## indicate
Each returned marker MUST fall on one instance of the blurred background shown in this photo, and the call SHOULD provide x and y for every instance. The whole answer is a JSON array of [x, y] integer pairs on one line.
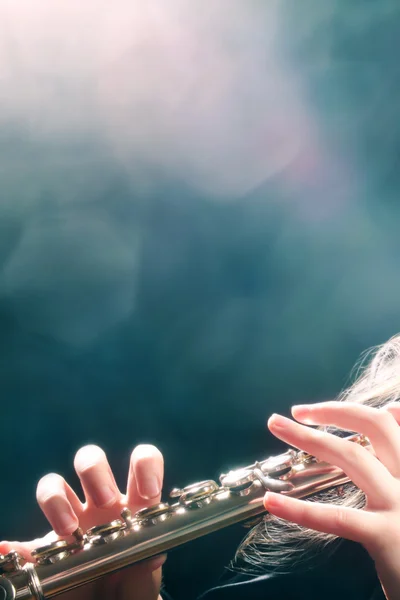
[[199, 221]]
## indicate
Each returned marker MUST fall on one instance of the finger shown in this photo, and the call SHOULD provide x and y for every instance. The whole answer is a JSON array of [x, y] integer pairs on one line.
[[366, 471], [378, 425], [394, 409], [96, 477], [59, 503], [350, 523], [144, 578], [25, 548], [146, 473]]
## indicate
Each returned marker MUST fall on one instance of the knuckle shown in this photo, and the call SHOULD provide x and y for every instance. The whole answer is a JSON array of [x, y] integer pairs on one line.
[[353, 451], [304, 510], [382, 418], [340, 520]]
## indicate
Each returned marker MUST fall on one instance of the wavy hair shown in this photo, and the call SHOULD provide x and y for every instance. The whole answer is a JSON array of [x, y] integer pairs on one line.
[[278, 545]]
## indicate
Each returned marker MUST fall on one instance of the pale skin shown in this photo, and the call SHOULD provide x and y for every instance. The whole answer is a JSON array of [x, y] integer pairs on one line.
[[377, 527], [103, 503]]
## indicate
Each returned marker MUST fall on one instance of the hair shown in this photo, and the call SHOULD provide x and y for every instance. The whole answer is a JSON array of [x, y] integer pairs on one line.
[[277, 545]]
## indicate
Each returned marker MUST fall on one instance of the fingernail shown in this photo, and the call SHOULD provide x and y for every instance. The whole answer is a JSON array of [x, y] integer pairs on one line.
[[64, 521], [104, 496], [302, 412], [61, 516], [278, 421], [149, 486], [301, 407], [272, 500]]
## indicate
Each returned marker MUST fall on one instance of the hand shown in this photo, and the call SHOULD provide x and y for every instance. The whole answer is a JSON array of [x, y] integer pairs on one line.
[[377, 526], [104, 503]]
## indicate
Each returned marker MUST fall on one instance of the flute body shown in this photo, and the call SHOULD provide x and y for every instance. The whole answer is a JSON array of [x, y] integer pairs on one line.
[[199, 509]]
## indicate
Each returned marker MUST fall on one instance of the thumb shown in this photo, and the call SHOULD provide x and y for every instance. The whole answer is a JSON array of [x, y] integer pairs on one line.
[[142, 581]]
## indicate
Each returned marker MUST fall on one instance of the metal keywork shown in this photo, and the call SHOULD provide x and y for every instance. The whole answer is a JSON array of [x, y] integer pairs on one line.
[[11, 562], [242, 482], [271, 473], [126, 516], [160, 528], [303, 458], [277, 466], [271, 484], [7, 590], [153, 514], [362, 440], [52, 553], [239, 481], [196, 495], [103, 534]]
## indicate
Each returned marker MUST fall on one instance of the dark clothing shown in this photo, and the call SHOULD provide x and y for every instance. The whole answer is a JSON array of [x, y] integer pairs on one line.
[[349, 574]]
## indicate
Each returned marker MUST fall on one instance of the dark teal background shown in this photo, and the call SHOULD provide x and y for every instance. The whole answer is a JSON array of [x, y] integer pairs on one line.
[[220, 312]]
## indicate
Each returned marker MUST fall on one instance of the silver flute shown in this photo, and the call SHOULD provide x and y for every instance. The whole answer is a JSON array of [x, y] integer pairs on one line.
[[197, 510]]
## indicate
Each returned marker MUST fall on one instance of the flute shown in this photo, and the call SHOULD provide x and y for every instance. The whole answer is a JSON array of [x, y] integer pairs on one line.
[[198, 509]]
